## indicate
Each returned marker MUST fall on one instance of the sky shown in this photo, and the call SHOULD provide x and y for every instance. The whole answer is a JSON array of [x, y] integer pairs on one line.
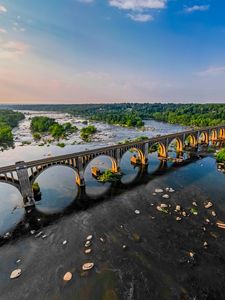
[[95, 51]]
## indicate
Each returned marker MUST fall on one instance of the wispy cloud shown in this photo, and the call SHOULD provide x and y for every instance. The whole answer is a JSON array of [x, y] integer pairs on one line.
[[3, 9], [139, 10], [212, 71], [196, 8], [140, 17]]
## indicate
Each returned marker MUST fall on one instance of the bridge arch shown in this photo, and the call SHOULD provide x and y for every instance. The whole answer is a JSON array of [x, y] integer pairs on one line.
[[114, 165], [221, 134], [203, 137], [159, 147], [140, 155], [178, 144], [34, 175], [213, 136], [10, 182], [191, 140]]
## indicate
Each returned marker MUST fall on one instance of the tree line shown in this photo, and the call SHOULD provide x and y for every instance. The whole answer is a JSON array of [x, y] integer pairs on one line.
[[134, 114]]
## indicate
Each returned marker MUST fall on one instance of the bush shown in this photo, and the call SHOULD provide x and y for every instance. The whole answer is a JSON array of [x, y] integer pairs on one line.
[[220, 157]]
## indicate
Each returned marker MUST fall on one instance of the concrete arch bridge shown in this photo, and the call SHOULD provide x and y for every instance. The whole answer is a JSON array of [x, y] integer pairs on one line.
[[23, 174]]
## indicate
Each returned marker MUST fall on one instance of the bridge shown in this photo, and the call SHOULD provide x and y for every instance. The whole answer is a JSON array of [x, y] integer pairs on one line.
[[22, 175]]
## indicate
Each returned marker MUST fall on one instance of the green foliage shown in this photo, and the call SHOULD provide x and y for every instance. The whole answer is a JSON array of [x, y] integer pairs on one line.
[[194, 211], [109, 176], [61, 145], [36, 136], [69, 128], [5, 133], [57, 131], [36, 187], [154, 148], [8, 120], [86, 132], [220, 157], [132, 114], [10, 117], [41, 124]]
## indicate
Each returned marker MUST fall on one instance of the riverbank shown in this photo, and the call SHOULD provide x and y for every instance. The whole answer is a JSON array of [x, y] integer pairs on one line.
[[156, 262]]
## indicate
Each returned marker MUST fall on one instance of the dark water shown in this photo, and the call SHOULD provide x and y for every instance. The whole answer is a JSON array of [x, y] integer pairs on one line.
[[155, 264]]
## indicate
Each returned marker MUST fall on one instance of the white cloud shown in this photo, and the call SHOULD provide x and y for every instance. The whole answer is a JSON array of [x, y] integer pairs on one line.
[[3, 9], [139, 10], [196, 8], [141, 17], [138, 5], [2, 30], [212, 71]]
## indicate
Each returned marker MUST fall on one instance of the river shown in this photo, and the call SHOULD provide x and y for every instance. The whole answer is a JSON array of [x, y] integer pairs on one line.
[[142, 255], [57, 184]]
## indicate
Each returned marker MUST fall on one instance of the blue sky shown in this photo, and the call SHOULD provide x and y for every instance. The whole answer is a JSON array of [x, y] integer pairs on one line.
[[79, 51]]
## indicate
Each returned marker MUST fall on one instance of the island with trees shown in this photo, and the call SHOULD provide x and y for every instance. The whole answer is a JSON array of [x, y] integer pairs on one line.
[[41, 125]]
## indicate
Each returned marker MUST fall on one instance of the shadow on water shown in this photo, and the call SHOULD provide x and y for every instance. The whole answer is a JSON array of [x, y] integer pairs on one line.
[[61, 195]]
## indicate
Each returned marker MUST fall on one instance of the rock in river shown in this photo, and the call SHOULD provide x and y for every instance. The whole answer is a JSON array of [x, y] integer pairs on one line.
[[68, 276], [89, 237], [16, 273], [208, 204], [87, 266]]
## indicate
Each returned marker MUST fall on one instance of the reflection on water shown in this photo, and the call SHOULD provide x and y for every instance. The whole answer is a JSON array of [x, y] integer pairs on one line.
[[153, 162], [93, 188], [11, 207], [58, 189], [129, 171]]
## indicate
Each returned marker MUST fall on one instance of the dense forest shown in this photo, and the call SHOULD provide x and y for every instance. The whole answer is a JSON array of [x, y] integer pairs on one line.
[[8, 120], [133, 114]]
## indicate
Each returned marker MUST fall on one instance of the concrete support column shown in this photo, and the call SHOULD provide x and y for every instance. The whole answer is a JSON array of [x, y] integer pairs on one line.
[[25, 185]]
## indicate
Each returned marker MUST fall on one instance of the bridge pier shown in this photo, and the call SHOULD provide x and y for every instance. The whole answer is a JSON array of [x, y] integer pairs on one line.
[[25, 185]]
